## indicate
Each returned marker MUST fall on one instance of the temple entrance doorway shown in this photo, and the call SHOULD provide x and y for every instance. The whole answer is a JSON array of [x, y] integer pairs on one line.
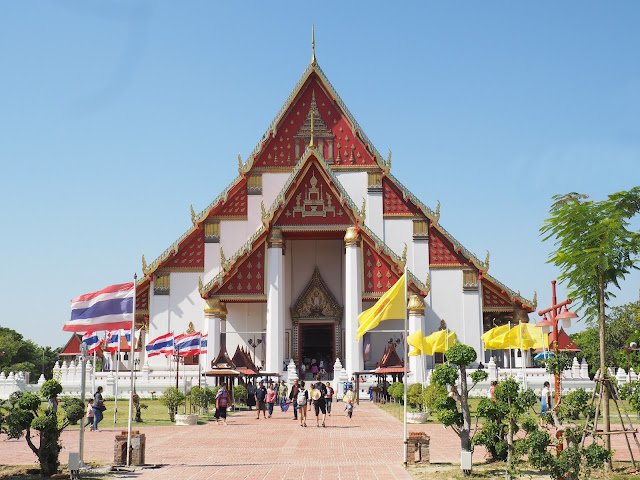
[[317, 349]]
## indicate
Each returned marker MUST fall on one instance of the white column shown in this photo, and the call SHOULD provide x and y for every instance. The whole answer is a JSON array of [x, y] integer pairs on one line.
[[275, 303], [416, 322], [215, 316], [352, 301]]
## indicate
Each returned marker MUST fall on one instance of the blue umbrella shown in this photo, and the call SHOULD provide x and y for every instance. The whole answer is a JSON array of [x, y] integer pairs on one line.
[[544, 355]]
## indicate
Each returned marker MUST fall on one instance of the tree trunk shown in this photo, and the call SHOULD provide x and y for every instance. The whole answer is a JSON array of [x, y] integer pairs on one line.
[[465, 440], [603, 365]]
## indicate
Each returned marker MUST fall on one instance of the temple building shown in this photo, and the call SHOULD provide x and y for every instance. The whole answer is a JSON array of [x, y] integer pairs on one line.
[[311, 232]]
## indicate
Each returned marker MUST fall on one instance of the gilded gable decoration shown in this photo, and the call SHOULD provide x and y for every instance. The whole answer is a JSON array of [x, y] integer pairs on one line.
[[314, 129], [420, 229], [254, 184], [161, 285], [212, 231], [470, 281], [316, 302]]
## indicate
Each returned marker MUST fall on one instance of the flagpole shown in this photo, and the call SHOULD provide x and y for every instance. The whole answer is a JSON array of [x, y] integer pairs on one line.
[[406, 328], [510, 366], [115, 408], [93, 374], [83, 377], [524, 370], [133, 329]]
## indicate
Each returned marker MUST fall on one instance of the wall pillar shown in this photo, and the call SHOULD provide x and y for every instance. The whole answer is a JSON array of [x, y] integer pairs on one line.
[[352, 301], [275, 303], [215, 316], [416, 322]]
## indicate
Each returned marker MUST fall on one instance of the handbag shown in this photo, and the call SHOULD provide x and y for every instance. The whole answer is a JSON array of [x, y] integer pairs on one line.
[[103, 408]]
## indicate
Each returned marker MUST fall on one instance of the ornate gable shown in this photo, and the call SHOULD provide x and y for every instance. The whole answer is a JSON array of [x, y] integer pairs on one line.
[[142, 299], [313, 109], [313, 201], [190, 256], [234, 207], [394, 203], [494, 299], [379, 275], [316, 301], [441, 251], [246, 280]]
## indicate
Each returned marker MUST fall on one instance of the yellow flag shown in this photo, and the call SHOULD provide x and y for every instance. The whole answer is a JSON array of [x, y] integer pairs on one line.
[[438, 342], [494, 338], [392, 305], [415, 340], [526, 336], [445, 342]]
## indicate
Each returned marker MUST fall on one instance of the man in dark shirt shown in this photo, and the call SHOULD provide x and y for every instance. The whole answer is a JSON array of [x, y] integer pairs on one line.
[[293, 395], [261, 395], [317, 394]]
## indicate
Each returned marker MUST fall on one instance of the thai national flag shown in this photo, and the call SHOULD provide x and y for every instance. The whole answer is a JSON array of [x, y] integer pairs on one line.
[[92, 340], [203, 344], [188, 345], [160, 345], [108, 309], [115, 339]]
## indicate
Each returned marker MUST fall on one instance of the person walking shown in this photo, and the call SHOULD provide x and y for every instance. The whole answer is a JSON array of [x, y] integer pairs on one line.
[[98, 408], [222, 401], [271, 398], [293, 395], [545, 400], [328, 397], [282, 393], [251, 395], [318, 394], [348, 399], [261, 396], [89, 415], [302, 398]]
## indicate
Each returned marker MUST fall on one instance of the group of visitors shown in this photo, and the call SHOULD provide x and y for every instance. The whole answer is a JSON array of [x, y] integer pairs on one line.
[[314, 366]]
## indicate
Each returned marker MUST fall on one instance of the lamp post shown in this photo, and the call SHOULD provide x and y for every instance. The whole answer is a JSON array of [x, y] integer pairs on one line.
[[254, 343], [550, 324]]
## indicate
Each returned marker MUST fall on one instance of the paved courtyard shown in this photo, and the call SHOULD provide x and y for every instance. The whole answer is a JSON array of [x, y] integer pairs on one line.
[[368, 447]]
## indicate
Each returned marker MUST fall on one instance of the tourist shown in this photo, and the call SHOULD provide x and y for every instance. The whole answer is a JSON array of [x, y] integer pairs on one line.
[[302, 397], [282, 393], [98, 408], [318, 395], [89, 415], [271, 398], [222, 401], [492, 391], [328, 397], [251, 395], [349, 398], [545, 400], [293, 397], [261, 396]]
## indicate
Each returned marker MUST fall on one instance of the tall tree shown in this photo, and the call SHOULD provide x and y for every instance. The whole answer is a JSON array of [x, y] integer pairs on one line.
[[594, 249]]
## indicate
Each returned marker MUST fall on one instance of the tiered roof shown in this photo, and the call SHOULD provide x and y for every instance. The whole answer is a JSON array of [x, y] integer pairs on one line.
[[390, 362], [352, 150]]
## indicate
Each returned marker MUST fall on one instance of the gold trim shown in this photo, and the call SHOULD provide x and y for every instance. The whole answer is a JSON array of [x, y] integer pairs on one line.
[[497, 309], [352, 237], [243, 298], [416, 305], [232, 218], [448, 266], [275, 240], [183, 269]]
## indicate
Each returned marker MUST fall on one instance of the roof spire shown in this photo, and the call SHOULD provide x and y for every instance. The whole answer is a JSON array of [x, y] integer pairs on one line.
[[313, 47]]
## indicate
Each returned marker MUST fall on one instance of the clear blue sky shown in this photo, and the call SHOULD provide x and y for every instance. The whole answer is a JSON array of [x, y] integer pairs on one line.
[[117, 115]]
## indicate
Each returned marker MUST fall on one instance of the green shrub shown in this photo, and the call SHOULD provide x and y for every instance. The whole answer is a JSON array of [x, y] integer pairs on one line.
[[430, 394], [396, 390], [172, 398], [414, 395], [240, 394]]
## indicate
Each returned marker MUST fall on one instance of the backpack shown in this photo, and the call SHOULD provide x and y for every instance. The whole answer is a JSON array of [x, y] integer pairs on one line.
[[302, 397]]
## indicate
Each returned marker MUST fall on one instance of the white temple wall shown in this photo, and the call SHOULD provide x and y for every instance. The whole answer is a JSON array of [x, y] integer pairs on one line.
[[399, 231], [254, 215], [418, 252], [186, 304], [211, 261], [246, 321], [355, 183], [374, 213], [472, 327], [159, 323], [272, 184], [446, 300], [233, 235]]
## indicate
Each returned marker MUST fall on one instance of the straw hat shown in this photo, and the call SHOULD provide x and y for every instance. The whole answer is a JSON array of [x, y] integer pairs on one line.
[[315, 394]]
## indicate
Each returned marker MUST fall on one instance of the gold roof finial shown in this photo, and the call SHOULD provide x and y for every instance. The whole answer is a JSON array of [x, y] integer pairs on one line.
[[223, 259], [313, 46], [193, 215], [404, 254], [144, 264], [486, 261]]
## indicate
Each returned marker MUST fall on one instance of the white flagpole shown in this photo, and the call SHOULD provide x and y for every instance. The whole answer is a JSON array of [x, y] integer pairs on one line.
[[133, 329], [510, 373], [93, 374], [83, 376], [115, 408], [404, 380], [524, 370]]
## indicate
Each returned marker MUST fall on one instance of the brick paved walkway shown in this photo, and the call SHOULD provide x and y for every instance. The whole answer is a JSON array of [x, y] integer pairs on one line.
[[368, 447]]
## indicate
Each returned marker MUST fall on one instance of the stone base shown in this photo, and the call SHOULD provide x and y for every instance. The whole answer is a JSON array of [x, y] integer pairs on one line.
[[417, 446], [188, 419], [138, 442]]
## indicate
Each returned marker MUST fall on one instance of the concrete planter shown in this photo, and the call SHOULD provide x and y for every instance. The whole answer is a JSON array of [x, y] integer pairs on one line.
[[417, 417], [189, 419]]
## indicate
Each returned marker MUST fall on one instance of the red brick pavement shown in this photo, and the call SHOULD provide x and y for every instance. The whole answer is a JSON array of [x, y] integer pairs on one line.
[[368, 447]]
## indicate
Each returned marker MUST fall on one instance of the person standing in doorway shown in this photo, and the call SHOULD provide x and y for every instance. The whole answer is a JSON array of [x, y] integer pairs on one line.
[[261, 397], [318, 394], [328, 397], [293, 395], [98, 408]]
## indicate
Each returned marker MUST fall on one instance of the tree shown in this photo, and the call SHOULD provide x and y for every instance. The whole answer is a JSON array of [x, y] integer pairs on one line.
[[25, 413], [594, 249], [460, 357], [172, 398], [22, 355]]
